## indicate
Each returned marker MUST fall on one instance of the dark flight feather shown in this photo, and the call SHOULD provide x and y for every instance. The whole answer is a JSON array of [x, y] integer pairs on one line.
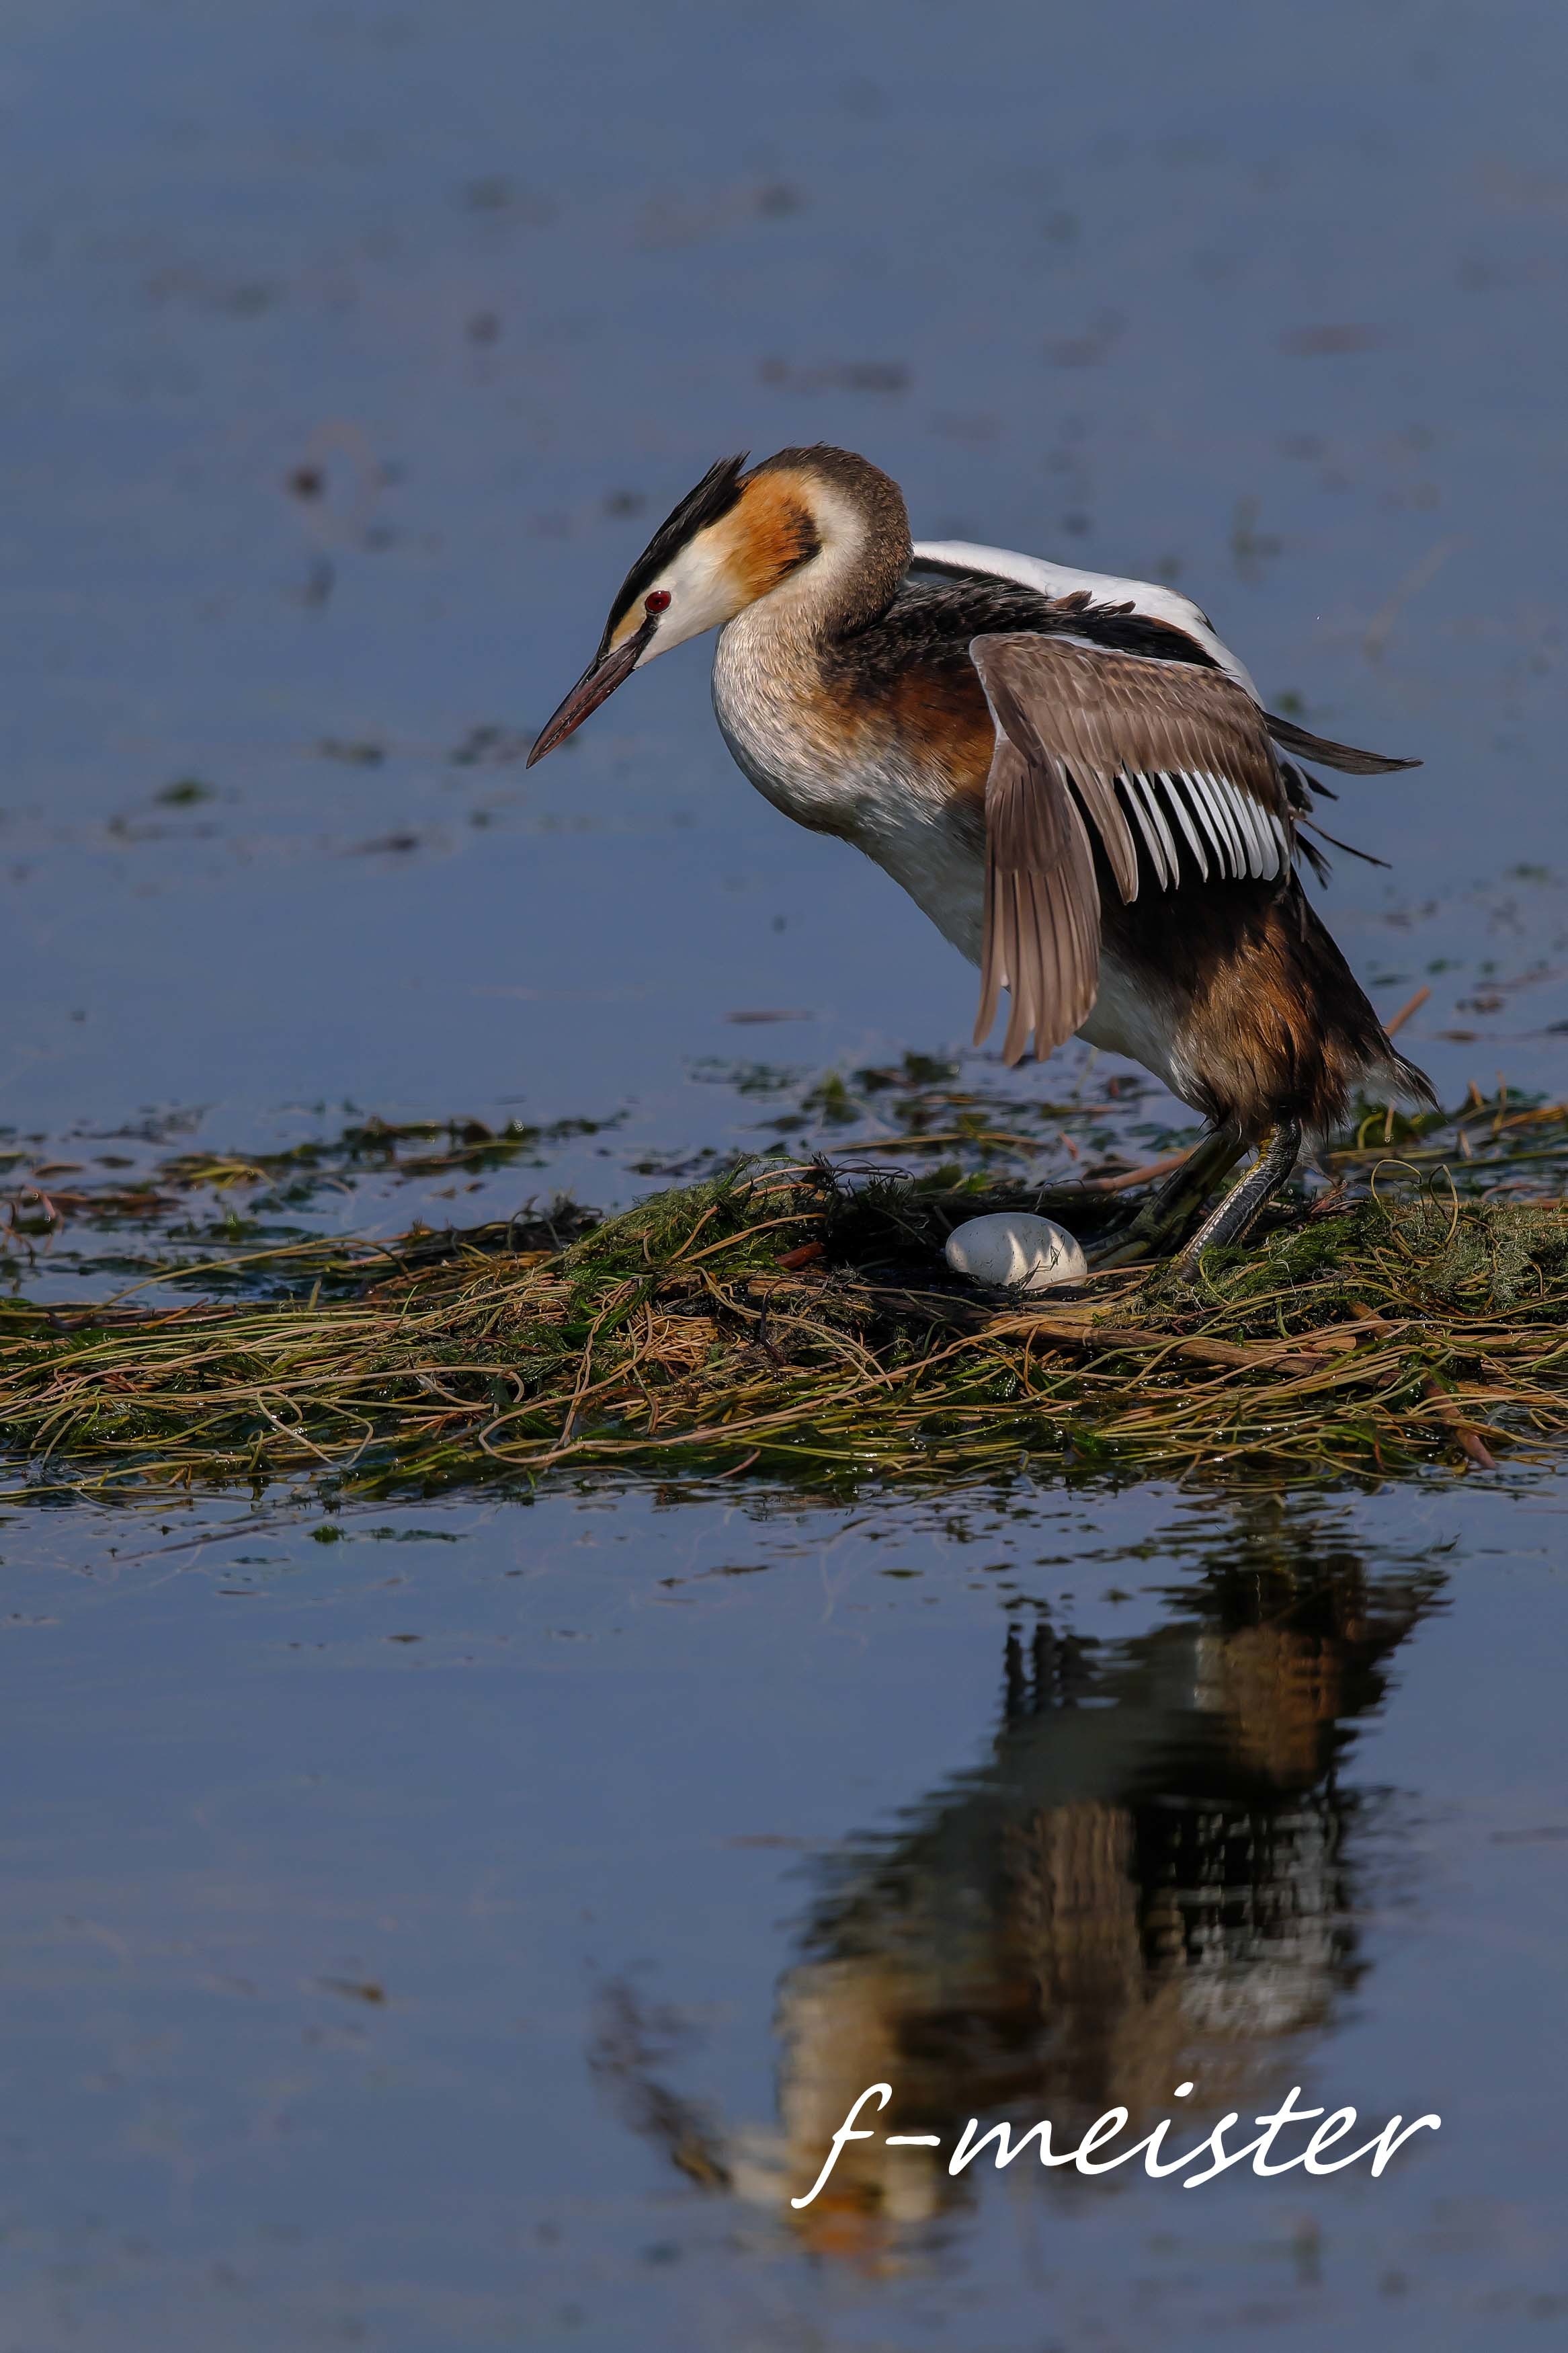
[[1344, 757]]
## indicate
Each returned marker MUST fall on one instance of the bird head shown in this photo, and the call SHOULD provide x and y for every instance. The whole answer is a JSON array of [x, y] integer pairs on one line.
[[818, 526]]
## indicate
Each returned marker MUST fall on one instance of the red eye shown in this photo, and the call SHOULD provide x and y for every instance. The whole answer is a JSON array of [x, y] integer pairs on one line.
[[657, 602]]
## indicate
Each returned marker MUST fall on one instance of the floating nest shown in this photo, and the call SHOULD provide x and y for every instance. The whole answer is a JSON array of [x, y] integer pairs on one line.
[[785, 1315]]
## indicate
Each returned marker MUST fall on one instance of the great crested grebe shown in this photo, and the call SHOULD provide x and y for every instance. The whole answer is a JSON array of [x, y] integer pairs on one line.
[[1068, 773]]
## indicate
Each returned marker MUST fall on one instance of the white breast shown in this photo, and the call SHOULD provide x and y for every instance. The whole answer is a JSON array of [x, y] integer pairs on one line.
[[900, 813], [902, 816], [1145, 597]]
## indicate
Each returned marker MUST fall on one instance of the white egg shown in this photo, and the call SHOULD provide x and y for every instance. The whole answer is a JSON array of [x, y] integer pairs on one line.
[[1015, 1251]]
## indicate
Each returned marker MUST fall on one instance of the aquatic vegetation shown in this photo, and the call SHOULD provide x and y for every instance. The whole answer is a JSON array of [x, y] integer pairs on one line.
[[783, 1314]]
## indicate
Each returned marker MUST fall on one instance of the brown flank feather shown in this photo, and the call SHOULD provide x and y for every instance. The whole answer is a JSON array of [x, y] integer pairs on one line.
[[1266, 1009], [939, 710]]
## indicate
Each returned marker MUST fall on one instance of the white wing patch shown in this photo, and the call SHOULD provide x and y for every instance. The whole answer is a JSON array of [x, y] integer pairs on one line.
[[1145, 597], [1185, 818], [1224, 830], [1156, 832]]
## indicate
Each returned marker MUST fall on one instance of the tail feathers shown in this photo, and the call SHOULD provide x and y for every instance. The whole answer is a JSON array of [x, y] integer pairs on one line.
[[1378, 1078], [1410, 1084]]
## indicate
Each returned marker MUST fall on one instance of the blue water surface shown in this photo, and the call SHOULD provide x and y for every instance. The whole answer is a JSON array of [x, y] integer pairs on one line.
[[458, 1923]]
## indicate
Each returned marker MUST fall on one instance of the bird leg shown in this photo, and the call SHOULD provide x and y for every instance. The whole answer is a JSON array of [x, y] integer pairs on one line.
[[1242, 1207], [1165, 1215]]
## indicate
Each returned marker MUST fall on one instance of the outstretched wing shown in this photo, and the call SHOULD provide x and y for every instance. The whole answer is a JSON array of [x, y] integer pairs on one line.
[[1151, 601], [1160, 757]]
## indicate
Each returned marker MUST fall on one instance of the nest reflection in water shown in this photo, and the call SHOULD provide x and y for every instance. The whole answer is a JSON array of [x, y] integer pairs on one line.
[[1153, 1874]]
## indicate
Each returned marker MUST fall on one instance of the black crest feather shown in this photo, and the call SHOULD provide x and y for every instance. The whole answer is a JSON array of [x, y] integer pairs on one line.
[[714, 495]]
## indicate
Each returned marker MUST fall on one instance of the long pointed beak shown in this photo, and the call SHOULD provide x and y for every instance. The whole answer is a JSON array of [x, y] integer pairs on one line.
[[597, 683]]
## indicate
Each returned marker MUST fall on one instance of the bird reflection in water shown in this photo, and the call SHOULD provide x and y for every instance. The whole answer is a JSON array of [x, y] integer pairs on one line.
[[1152, 1878]]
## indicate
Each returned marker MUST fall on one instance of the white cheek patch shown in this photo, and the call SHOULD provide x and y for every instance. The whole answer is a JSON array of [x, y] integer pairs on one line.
[[701, 595]]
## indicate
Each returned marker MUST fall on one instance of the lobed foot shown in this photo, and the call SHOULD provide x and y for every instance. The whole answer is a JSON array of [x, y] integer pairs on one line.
[[1242, 1207], [1164, 1218]]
